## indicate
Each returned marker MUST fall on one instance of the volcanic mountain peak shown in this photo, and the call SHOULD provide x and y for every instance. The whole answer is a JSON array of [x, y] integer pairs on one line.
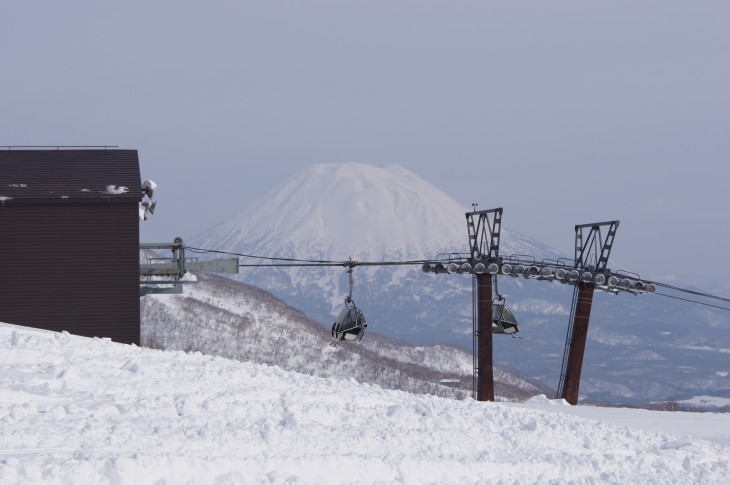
[[340, 210]]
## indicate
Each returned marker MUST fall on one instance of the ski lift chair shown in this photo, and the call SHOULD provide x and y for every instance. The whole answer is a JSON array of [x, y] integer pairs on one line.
[[503, 320], [350, 323]]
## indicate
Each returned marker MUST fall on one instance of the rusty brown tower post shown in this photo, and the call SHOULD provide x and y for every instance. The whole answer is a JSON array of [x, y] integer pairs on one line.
[[581, 317], [484, 368], [591, 258], [484, 229]]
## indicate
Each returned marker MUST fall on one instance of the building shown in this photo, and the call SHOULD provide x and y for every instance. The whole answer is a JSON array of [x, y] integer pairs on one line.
[[69, 241]]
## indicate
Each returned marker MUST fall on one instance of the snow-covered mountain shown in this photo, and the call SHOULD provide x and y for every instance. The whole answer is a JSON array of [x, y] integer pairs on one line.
[[219, 316], [336, 211], [640, 348]]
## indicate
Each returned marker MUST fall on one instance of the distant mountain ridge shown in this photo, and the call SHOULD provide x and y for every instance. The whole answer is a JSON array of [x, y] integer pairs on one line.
[[639, 348]]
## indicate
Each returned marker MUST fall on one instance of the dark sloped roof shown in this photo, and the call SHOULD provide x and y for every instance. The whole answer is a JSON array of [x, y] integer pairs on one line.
[[39, 175]]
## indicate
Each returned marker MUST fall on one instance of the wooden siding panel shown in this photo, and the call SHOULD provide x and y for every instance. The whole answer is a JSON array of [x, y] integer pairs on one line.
[[71, 267]]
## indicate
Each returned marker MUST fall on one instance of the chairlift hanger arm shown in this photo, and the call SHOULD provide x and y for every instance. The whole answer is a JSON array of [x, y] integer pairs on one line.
[[350, 279], [496, 289]]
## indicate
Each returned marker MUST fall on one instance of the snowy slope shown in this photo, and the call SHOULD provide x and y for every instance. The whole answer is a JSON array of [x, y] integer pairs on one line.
[[226, 318], [639, 348], [79, 410]]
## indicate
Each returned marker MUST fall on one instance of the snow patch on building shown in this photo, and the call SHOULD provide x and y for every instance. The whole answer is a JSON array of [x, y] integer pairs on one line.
[[116, 190]]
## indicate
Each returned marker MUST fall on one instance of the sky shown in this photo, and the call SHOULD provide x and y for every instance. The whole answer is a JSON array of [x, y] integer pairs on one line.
[[562, 112]]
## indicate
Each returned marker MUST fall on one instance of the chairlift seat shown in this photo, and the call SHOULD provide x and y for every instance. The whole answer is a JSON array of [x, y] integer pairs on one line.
[[503, 320], [350, 324]]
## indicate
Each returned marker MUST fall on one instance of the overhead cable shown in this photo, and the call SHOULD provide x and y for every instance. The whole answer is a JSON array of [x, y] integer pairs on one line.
[[305, 262], [217, 251], [295, 262], [693, 292], [693, 301]]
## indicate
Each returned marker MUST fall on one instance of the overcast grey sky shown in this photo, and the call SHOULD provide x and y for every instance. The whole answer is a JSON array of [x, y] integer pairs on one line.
[[562, 112]]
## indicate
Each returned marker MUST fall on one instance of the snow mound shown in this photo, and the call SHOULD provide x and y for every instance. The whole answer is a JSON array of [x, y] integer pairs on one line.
[[190, 418], [543, 400]]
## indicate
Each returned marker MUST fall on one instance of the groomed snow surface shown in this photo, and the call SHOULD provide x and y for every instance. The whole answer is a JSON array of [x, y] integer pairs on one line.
[[78, 410]]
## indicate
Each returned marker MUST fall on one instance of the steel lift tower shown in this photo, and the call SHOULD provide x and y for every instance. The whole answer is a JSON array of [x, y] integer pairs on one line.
[[484, 231], [483, 263], [591, 253]]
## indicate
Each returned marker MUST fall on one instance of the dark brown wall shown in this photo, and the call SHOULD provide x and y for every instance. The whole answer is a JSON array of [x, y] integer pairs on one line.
[[72, 267]]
